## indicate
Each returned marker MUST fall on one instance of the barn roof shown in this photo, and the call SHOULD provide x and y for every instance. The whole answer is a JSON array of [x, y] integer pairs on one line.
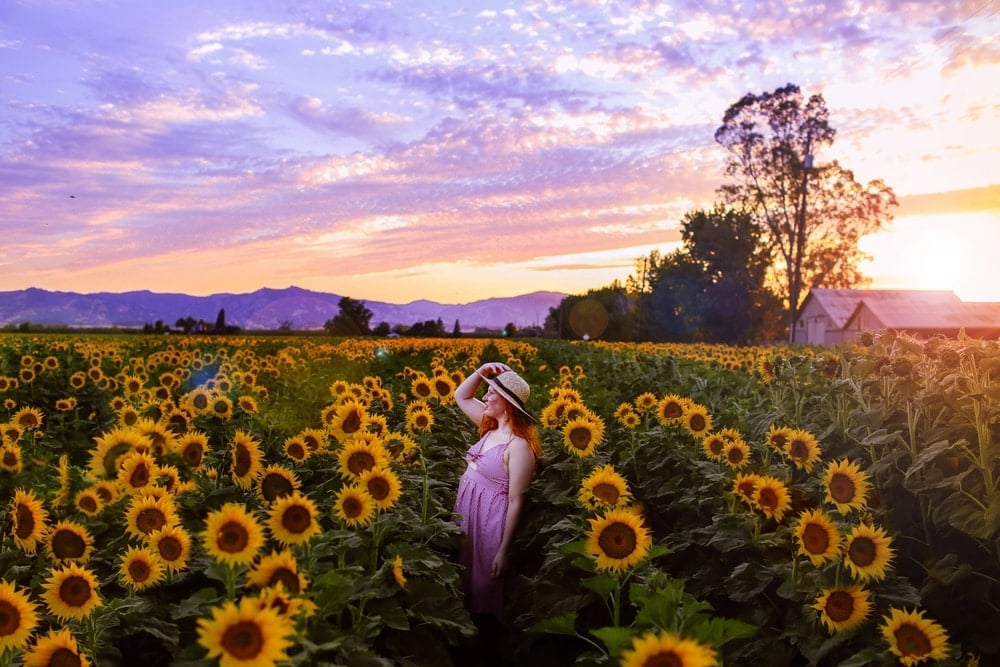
[[840, 304], [923, 315]]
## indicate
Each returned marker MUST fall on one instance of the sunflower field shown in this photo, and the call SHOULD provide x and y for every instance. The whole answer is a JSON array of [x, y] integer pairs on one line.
[[288, 501]]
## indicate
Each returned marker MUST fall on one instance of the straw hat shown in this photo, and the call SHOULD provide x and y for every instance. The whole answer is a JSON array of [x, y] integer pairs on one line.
[[512, 387]]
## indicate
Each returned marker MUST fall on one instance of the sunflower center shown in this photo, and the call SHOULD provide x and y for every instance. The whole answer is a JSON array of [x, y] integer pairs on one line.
[[25, 522], [862, 551], [734, 455], [139, 571], [88, 504], [580, 437], [170, 549], [312, 442], [10, 619], [9, 458], [815, 539], [287, 578], [910, 640], [839, 606], [193, 454], [139, 477], [275, 486], [664, 659], [104, 494], [798, 450], [746, 488], [778, 441], [63, 657], [221, 408], [378, 488], [233, 538], [242, 461], [607, 493], [673, 410], [421, 421], [842, 488], [75, 591], [697, 422], [67, 544], [352, 508], [200, 401], [767, 499], [618, 540], [243, 640], [360, 462], [351, 423], [716, 445], [296, 519], [149, 520], [296, 451]]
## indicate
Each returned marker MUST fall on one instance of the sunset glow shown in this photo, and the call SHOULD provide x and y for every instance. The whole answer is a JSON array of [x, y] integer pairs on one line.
[[397, 151]]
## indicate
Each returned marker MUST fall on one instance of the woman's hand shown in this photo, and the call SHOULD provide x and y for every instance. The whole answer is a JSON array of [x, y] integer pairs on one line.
[[493, 368], [499, 565]]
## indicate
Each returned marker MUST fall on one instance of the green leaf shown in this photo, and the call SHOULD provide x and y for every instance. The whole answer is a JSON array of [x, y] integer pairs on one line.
[[616, 639], [602, 584], [564, 624]]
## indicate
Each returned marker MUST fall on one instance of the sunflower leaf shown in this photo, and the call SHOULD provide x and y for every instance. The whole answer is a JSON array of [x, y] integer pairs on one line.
[[564, 624]]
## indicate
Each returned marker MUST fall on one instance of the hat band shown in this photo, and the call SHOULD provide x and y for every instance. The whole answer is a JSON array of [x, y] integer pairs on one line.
[[509, 394]]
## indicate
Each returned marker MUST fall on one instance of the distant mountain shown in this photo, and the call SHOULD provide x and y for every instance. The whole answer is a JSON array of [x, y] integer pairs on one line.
[[265, 309]]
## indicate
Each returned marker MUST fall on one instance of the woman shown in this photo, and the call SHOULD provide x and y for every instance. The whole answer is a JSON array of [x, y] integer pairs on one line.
[[491, 492]]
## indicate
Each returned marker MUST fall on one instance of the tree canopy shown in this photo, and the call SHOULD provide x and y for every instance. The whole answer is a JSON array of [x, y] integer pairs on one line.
[[352, 320]]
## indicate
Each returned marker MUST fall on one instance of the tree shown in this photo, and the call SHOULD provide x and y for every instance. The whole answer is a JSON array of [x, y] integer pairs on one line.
[[456, 331], [811, 216], [605, 313], [352, 320], [220, 321]]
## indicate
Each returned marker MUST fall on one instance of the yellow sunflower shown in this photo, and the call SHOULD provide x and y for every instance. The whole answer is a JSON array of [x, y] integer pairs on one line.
[[843, 609], [397, 571], [292, 519], [338, 388], [671, 408], [172, 545], [136, 472], [221, 407], [280, 567], [666, 648], [696, 420], [140, 568], [398, 445], [354, 506], [18, 617], [913, 638], [69, 541], [296, 449], [232, 535], [71, 592], [245, 459], [247, 404], [444, 388], [777, 438], [846, 485], [420, 421], [803, 449], [645, 402], [421, 388], [88, 501], [359, 456], [246, 635], [868, 551], [147, 513], [350, 418], [315, 439], [28, 418], [382, 485], [817, 536], [745, 487], [11, 459], [57, 647], [713, 446], [772, 497], [618, 540], [604, 488], [582, 435], [198, 401], [28, 517], [276, 482], [191, 447], [736, 454], [112, 446]]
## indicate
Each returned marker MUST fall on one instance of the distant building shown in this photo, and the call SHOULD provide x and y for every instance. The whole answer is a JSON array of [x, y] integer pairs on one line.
[[832, 316]]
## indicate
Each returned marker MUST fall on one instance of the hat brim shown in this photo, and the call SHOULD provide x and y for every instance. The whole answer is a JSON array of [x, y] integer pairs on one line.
[[510, 396]]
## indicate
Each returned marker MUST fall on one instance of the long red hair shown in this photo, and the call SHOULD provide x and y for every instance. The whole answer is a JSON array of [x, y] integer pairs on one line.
[[521, 425]]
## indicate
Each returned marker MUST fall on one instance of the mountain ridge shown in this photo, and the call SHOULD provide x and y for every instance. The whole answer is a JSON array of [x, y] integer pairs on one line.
[[266, 308]]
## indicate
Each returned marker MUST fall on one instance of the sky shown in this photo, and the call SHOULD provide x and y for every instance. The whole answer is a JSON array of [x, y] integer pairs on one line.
[[399, 150]]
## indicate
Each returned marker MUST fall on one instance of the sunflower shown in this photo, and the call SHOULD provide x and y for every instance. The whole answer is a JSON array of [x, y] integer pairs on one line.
[[10, 433], [198, 401], [354, 506], [147, 513], [772, 497], [671, 408], [28, 418], [232, 535], [666, 648], [713, 445], [604, 488], [397, 571], [843, 609], [296, 449], [777, 438], [88, 502], [172, 545], [161, 438], [846, 485], [191, 448], [817, 536], [382, 486], [247, 404], [315, 439], [10, 458], [71, 592], [803, 449], [278, 568], [246, 635], [140, 568], [913, 638], [421, 388], [28, 517], [338, 388], [359, 456], [18, 617], [696, 420], [745, 487], [112, 446], [618, 540], [136, 472], [58, 647], [221, 407], [245, 459], [292, 519], [582, 435], [350, 418], [68, 541], [868, 552], [554, 414], [420, 420], [276, 482], [736, 454], [645, 402]]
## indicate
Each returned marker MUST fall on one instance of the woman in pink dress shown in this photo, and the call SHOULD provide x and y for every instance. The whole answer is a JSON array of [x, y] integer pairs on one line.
[[491, 492]]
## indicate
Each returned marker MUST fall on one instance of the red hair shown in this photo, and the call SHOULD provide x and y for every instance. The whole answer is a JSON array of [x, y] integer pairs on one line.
[[521, 425]]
